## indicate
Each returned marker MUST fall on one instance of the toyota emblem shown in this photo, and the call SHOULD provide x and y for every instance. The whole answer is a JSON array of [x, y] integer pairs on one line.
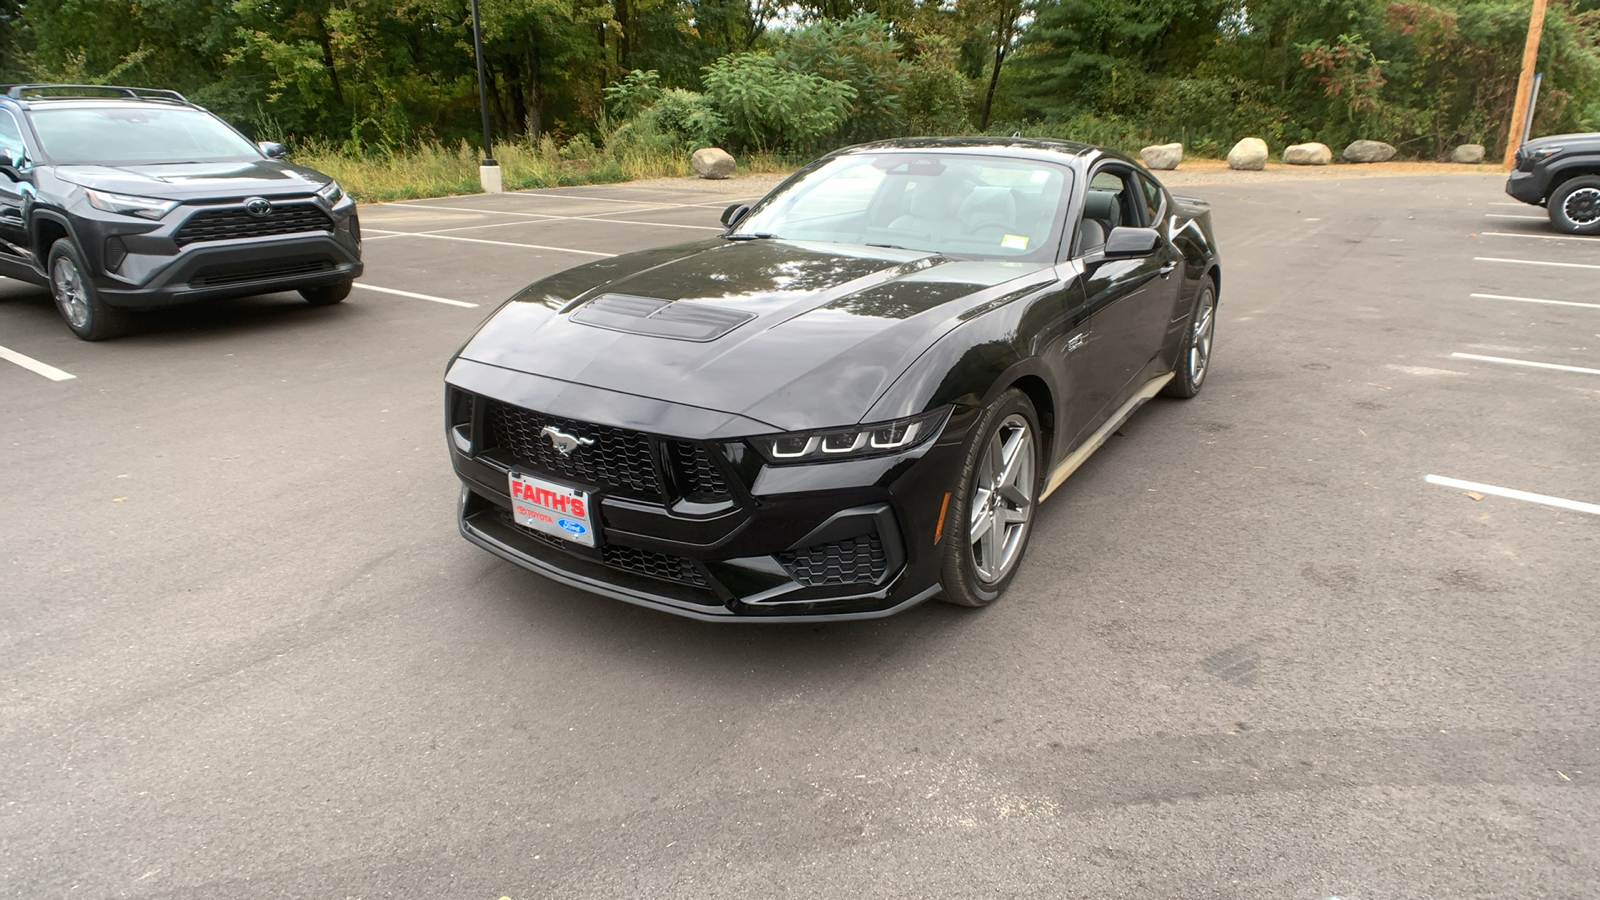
[[257, 206]]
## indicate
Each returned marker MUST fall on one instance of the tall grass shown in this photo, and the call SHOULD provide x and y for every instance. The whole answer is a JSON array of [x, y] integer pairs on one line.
[[436, 170]]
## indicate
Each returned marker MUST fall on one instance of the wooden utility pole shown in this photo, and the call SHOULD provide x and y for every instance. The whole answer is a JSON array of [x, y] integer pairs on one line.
[[1530, 59]]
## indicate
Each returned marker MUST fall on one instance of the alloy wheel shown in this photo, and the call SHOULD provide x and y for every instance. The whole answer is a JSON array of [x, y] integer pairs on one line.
[[1002, 500], [1582, 206], [1200, 338], [66, 285]]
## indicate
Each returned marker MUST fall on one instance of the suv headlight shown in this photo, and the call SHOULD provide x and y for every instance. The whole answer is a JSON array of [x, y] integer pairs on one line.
[[331, 192], [876, 439], [143, 207]]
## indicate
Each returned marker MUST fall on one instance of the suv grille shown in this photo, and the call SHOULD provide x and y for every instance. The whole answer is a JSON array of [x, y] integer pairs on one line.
[[618, 458], [858, 560], [234, 222]]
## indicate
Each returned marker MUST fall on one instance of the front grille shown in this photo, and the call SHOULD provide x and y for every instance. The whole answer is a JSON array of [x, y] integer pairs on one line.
[[212, 277], [617, 459], [234, 222], [648, 562], [857, 560], [665, 566], [698, 476]]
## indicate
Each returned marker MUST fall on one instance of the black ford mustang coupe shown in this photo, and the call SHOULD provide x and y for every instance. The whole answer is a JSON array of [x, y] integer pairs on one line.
[[849, 402]]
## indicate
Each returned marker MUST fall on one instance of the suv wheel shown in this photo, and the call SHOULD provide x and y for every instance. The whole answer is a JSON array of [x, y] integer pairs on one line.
[[326, 294], [1575, 205], [89, 317]]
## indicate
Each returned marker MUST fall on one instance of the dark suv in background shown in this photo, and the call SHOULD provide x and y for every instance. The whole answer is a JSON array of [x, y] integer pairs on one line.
[[118, 198], [1562, 174]]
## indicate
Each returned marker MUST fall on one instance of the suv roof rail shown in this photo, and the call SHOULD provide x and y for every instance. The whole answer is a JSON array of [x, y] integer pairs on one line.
[[16, 92]]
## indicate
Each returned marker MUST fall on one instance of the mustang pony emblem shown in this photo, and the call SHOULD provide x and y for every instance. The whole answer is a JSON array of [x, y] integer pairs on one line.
[[562, 441]]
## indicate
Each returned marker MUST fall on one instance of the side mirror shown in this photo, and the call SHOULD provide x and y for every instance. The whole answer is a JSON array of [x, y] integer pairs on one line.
[[732, 215], [273, 149], [1126, 242], [12, 162]]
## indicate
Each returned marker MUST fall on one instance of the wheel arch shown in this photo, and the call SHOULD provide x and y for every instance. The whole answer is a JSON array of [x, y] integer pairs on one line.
[[47, 229], [1576, 168]]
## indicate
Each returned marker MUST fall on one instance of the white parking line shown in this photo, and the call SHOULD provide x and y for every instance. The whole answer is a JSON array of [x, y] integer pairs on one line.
[[34, 366], [1535, 262], [445, 300], [1537, 300], [1506, 203], [1526, 362], [1506, 216], [1592, 509], [1542, 237], [451, 237]]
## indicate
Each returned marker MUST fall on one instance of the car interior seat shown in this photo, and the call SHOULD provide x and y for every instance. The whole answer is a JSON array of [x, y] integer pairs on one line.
[[988, 210], [1102, 211]]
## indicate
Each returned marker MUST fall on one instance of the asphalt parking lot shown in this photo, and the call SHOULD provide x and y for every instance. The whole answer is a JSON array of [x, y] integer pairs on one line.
[[1254, 652]]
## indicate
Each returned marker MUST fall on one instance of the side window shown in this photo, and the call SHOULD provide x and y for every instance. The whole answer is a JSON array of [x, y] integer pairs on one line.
[[1111, 200], [1153, 201], [10, 133]]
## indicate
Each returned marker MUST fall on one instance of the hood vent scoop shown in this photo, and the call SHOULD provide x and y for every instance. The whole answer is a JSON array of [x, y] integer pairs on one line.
[[680, 321]]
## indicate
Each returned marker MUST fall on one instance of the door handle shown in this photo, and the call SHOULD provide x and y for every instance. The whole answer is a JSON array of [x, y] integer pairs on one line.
[[1168, 269]]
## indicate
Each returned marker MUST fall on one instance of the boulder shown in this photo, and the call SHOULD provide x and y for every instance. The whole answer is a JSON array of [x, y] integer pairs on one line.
[[1368, 152], [1249, 154], [1162, 156], [1312, 154], [713, 163], [1467, 153]]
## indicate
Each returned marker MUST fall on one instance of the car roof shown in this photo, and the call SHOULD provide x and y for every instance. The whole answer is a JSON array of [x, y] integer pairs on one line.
[[26, 96], [1051, 149]]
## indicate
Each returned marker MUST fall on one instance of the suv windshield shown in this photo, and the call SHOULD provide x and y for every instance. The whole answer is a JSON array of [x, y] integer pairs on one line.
[[960, 205], [131, 135]]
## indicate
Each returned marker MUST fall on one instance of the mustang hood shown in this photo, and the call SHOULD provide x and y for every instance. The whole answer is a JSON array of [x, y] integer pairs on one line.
[[796, 335], [179, 181]]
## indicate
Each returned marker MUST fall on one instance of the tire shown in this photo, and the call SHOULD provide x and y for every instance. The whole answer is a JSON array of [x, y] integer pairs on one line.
[[79, 303], [980, 562], [1575, 206], [1194, 357], [326, 294]]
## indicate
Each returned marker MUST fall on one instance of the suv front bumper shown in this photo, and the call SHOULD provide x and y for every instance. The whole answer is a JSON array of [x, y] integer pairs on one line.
[[236, 268], [1526, 186]]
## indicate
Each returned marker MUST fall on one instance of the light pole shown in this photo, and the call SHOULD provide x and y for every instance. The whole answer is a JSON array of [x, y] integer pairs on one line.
[[1530, 56], [488, 169]]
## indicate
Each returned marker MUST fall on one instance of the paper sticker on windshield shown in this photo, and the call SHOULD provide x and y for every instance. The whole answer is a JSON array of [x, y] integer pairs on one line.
[[1014, 242]]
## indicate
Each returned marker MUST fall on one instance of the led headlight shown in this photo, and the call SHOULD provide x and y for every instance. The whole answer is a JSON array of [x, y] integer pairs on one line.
[[143, 207], [874, 439], [331, 192]]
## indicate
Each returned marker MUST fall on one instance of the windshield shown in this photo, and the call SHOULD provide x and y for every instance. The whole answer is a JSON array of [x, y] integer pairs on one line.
[[131, 135], [959, 205]]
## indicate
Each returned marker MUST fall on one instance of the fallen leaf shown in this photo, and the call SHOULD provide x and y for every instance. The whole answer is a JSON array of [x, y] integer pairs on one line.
[[1474, 495], [118, 499]]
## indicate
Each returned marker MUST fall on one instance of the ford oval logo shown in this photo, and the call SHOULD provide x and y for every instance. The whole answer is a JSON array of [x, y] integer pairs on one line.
[[258, 206], [574, 527]]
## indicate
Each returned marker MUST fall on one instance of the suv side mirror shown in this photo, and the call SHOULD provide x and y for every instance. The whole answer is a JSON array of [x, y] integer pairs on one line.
[[273, 149], [732, 215], [12, 162], [1127, 242]]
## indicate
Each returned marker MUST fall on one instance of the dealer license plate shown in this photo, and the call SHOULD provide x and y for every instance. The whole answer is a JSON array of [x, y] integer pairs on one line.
[[552, 508]]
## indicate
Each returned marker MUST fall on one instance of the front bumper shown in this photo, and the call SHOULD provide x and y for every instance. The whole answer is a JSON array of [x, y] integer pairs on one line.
[[1525, 186], [825, 541], [141, 264]]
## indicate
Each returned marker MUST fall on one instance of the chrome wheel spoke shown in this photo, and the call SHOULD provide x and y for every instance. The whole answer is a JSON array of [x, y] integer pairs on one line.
[[1001, 501]]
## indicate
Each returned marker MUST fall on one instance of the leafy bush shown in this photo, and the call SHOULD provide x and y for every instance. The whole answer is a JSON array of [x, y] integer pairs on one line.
[[859, 52], [937, 96], [770, 107]]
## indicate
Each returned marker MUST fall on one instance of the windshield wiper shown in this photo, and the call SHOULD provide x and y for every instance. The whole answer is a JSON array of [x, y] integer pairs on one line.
[[757, 236]]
